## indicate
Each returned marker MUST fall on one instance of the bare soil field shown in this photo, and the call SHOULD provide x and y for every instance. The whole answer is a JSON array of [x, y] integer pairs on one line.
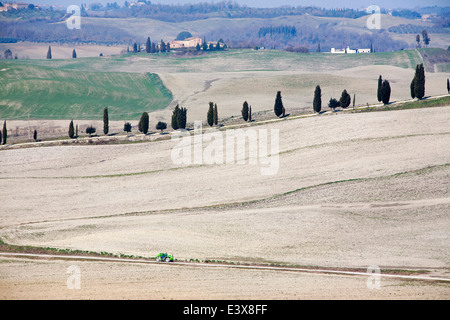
[[40, 279], [351, 191]]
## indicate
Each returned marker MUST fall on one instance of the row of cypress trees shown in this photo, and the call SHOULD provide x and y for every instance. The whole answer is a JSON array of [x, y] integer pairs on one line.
[[417, 88]]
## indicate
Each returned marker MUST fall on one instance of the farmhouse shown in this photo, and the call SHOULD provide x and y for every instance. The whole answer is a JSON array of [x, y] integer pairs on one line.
[[186, 43], [348, 50]]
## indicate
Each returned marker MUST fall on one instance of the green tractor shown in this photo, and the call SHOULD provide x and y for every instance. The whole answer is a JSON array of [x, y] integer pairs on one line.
[[164, 257]]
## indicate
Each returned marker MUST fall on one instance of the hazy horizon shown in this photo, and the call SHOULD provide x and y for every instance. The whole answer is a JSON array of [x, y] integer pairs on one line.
[[355, 4]]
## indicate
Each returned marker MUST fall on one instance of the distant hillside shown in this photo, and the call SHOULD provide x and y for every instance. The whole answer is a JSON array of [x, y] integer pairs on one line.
[[239, 26], [49, 93]]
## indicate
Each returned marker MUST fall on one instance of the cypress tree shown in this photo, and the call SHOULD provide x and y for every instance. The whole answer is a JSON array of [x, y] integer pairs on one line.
[[278, 108], [143, 123], [250, 114], [216, 116], [76, 131], [0, 136], [345, 99], [380, 84], [148, 45], [317, 102], [74, 54], [412, 89], [71, 130], [5, 133], [175, 117], [448, 86], [245, 111], [49, 52], [105, 121], [210, 114], [354, 100], [182, 118], [386, 92], [419, 84], [35, 135]]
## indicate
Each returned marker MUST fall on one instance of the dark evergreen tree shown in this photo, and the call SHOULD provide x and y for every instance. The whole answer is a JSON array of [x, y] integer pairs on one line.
[[380, 84], [386, 92], [354, 100], [105, 121], [425, 38], [49, 52], [250, 114], [35, 135], [245, 111], [144, 123], [278, 107], [412, 89], [448, 86], [216, 116], [197, 47], [419, 83], [318, 47], [74, 54], [148, 45], [71, 130], [345, 99], [182, 118], [76, 131], [317, 102], [175, 114], [210, 114], [127, 127], [162, 46], [1, 141], [5, 133], [135, 48]]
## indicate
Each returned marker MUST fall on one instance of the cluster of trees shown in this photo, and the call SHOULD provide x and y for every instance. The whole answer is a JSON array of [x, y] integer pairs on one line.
[[425, 39], [143, 125], [179, 118], [383, 90], [9, 55], [212, 116], [284, 30], [204, 10]]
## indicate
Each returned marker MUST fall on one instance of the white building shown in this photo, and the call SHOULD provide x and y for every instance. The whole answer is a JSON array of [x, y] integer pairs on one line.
[[348, 50], [334, 50]]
